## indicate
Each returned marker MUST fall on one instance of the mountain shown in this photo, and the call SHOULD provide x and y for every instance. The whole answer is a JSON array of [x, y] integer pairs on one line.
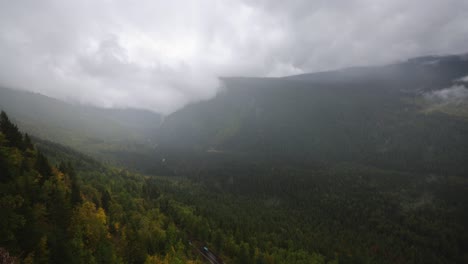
[[61, 206], [429, 72], [90, 129], [407, 115], [383, 116], [361, 165]]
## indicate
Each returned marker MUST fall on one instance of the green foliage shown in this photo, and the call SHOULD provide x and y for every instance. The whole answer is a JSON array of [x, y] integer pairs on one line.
[[13, 136], [345, 213], [258, 175], [43, 167], [88, 129], [94, 214]]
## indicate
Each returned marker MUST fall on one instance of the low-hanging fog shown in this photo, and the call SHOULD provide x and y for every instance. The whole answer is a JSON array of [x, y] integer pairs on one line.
[[161, 55]]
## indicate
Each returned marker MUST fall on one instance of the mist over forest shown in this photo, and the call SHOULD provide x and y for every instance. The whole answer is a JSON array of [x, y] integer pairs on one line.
[[233, 132]]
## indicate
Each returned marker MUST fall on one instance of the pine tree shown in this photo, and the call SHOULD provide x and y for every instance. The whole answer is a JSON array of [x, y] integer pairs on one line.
[[42, 251], [4, 166], [105, 200], [67, 168], [43, 167], [11, 132], [27, 142]]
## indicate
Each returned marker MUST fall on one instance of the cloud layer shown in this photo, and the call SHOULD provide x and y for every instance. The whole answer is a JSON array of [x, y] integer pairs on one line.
[[451, 94], [161, 55]]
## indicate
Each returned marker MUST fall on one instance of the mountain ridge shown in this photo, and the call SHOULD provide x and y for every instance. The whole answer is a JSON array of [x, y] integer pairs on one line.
[[294, 118]]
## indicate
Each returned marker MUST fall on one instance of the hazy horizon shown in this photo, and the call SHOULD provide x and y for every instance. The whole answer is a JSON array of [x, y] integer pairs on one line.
[[161, 56]]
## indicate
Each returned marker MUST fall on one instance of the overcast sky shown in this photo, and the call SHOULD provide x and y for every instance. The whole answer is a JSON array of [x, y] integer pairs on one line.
[[160, 55]]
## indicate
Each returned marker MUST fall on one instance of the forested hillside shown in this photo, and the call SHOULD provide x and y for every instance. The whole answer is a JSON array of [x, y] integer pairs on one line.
[[393, 116], [410, 115], [89, 129], [83, 212], [91, 214], [364, 165], [234, 132]]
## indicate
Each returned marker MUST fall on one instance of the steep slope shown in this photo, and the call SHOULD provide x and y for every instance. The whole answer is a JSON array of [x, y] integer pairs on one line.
[[274, 170], [87, 128], [80, 211], [397, 116], [369, 115]]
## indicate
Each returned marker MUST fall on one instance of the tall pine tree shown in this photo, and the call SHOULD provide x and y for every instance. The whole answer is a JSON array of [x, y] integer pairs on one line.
[[11, 132]]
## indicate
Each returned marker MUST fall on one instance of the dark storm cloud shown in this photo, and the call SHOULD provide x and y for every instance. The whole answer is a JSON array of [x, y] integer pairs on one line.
[[161, 55]]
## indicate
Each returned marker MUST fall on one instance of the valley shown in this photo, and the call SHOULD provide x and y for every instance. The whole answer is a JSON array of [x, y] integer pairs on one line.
[[360, 165]]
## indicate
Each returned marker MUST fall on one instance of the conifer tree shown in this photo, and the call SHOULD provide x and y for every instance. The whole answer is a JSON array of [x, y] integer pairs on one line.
[[43, 167], [11, 132], [27, 142]]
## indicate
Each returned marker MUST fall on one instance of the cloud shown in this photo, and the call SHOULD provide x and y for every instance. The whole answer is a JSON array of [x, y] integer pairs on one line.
[[463, 79], [161, 55], [453, 93]]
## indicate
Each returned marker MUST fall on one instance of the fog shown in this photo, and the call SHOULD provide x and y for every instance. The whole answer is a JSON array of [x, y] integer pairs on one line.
[[161, 55], [450, 94]]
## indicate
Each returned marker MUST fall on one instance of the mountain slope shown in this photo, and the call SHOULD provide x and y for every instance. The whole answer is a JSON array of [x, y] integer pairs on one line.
[[80, 211], [430, 72], [87, 128], [272, 170], [396, 116], [368, 115]]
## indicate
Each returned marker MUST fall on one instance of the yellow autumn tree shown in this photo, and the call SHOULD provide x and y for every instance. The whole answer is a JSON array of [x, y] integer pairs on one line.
[[90, 234]]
